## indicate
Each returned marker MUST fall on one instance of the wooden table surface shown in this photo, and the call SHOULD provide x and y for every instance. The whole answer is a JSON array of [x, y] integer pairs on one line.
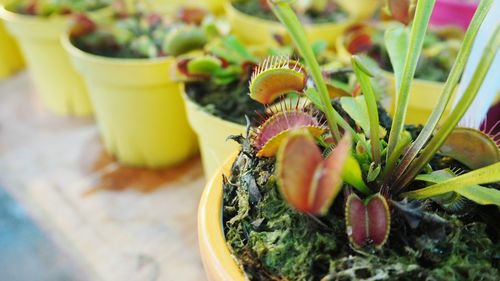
[[119, 223]]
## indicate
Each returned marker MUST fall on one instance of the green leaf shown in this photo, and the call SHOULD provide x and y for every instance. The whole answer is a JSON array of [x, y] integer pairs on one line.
[[358, 111], [458, 112], [415, 43], [467, 185], [448, 90], [234, 44], [365, 69], [396, 42], [313, 96], [204, 65], [352, 175]]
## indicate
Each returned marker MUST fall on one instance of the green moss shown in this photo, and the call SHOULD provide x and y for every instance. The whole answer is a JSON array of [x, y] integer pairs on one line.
[[274, 242]]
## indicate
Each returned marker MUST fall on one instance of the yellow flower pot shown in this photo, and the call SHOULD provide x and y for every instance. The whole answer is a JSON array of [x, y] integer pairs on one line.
[[212, 133], [139, 109], [424, 94], [253, 30], [218, 261], [11, 60], [60, 87]]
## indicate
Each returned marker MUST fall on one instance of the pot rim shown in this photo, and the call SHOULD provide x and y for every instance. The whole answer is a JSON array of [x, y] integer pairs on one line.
[[197, 106], [217, 258], [81, 54], [230, 9]]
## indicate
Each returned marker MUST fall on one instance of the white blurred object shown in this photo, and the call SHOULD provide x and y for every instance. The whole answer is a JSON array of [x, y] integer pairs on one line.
[[491, 85]]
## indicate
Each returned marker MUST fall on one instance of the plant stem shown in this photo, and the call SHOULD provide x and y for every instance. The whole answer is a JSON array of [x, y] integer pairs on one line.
[[451, 82], [451, 122], [417, 34], [371, 104], [285, 14]]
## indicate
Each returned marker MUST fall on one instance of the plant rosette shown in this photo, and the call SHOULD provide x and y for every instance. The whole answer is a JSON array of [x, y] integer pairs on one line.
[[438, 55], [253, 22], [37, 26], [124, 60], [216, 92], [336, 190]]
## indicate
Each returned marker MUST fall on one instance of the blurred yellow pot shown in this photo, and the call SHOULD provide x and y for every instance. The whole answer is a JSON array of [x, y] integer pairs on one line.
[[10, 57], [60, 87], [217, 259], [424, 94], [212, 133], [254, 30], [215, 6], [139, 110]]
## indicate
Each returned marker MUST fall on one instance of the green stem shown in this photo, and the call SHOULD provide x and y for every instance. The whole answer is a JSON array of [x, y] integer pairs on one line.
[[371, 104], [451, 122], [285, 14], [417, 34], [451, 82]]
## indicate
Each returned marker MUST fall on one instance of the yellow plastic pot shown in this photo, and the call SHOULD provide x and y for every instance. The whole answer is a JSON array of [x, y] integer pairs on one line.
[[11, 60], [212, 133], [139, 109], [424, 94], [256, 31], [217, 259], [60, 87]]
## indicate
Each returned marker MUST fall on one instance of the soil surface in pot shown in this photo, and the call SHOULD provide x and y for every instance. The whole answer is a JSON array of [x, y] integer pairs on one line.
[[272, 241], [330, 13], [230, 102]]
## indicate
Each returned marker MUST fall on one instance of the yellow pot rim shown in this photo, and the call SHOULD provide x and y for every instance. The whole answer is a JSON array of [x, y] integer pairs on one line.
[[230, 9], [194, 104], [17, 17], [78, 53], [219, 263]]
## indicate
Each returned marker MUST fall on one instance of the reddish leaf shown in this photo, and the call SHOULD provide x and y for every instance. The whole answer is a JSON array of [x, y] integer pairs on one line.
[[306, 181], [331, 169], [82, 25], [378, 220], [271, 133], [401, 10], [356, 221], [297, 162], [367, 223], [275, 77], [191, 15]]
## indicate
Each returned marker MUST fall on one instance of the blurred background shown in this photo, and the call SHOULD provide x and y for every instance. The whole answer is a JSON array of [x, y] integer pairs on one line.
[[105, 185]]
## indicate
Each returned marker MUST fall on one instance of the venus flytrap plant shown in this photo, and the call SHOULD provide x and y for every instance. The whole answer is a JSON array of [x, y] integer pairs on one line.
[[310, 182], [318, 207]]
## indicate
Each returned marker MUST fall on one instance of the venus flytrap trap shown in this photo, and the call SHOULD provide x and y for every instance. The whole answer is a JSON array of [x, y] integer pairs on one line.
[[421, 178]]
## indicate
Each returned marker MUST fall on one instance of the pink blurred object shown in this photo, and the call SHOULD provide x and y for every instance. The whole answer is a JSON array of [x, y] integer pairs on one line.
[[453, 12]]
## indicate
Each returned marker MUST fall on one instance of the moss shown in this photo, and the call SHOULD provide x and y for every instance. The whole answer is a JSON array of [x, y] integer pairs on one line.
[[274, 242]]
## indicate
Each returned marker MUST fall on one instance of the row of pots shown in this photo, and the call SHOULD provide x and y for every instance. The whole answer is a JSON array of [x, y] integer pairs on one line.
[[139, 124]]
